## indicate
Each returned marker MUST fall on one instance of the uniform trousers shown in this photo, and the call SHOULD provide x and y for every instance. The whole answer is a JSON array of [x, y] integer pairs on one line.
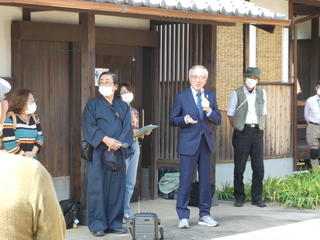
[[248, 142]]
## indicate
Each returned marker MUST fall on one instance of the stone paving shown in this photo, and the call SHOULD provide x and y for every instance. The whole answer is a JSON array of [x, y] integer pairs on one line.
[[235, 223]]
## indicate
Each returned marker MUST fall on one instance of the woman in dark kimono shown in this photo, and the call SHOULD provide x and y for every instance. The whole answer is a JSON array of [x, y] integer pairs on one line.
[[106, 121]]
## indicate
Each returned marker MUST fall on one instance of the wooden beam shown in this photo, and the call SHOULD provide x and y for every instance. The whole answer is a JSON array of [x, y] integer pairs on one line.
[[119, 36], [43, 31], [26, 14], [308, 2], [124, 10]]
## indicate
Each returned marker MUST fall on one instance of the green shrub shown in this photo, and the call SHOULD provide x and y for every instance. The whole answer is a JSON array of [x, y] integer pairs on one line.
[[301, 190], [226, 193]]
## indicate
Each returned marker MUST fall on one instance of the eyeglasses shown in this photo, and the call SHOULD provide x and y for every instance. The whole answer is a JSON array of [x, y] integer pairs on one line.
[[106, 84], [32, 101], [195, 77], [121, 93]]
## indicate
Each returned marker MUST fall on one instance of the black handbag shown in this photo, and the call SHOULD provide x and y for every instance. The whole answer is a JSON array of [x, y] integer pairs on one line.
[[86, 150], [112, 160], [195, 194]]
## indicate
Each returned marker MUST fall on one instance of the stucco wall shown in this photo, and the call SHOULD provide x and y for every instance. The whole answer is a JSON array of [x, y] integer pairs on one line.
[[278, 167]]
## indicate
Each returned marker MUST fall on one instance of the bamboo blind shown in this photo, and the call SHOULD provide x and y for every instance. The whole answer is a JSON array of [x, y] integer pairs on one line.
[[229, 62], [269, 54], [173, 76]]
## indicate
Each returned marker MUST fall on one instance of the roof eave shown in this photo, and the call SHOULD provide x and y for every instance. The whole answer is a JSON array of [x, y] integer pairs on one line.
[[123, 10]]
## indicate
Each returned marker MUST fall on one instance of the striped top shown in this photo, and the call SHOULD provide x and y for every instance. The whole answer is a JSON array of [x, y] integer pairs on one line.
[[24, 137]]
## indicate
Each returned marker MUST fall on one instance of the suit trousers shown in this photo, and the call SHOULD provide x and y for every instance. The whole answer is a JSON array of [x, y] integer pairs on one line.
[[203, 158], [248, 142]]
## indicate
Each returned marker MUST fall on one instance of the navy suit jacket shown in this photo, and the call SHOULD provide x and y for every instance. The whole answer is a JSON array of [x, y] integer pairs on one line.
[[190, 134]]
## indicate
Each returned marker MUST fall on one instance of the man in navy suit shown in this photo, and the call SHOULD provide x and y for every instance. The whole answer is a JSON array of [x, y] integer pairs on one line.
[[195, 113]]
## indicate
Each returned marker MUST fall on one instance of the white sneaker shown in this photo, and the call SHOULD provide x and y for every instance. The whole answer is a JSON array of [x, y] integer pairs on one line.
[[208, 221], [183, 223], [127, 217]]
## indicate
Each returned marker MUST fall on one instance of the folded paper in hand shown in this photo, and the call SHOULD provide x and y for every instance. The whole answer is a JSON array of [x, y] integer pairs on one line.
[[145, 128]]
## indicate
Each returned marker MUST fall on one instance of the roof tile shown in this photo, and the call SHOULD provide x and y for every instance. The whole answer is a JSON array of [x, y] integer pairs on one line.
[[225, 7]]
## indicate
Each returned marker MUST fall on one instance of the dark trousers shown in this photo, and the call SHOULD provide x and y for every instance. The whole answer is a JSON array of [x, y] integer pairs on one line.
[[105, 196], [188, 163], [248, 142]]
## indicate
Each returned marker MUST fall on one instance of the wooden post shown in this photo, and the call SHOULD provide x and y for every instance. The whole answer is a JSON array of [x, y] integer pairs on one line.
[[209, 60], [87, 22]]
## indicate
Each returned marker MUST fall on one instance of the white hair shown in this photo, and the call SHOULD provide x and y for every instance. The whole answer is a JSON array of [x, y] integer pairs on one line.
[[199, 66]]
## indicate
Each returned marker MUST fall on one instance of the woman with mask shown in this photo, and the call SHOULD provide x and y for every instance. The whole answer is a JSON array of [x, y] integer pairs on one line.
[[125, 92], [5, 87], [106, 123], [22, 130]]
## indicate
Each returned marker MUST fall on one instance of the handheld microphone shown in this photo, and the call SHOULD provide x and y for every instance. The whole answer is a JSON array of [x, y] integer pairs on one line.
[[202, 97], [123, 145]]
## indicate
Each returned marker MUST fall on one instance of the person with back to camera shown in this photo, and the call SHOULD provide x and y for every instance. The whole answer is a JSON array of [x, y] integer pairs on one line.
[[22, 132], [246, 110], [5, 87], [125, 92], [29, 207], [195, 115], [106, 122], [312, 116]]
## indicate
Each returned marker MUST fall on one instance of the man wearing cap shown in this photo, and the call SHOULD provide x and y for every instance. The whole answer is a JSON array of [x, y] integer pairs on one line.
[[246, 110], [312, 116], [5, 87]]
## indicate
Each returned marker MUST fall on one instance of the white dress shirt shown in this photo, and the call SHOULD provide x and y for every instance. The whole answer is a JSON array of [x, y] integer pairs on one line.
[[194, 93], [312, 109], [251, 99]]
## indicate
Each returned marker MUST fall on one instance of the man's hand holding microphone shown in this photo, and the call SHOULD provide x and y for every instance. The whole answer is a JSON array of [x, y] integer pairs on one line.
[[205, 106]]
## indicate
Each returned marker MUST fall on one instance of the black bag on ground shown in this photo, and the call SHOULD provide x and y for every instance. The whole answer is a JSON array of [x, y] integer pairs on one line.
[[195, 194], [71, 212], [145, 226], [86, 150]]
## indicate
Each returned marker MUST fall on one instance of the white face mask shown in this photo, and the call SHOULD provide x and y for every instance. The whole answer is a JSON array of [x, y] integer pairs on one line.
[[251, 83], [127, 97], [106, 91], [318, 91], [31, 108]]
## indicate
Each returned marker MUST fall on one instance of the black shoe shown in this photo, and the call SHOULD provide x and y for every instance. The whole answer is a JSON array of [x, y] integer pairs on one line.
[[98, 233], [259, 203], [238, 203], [116, 230]]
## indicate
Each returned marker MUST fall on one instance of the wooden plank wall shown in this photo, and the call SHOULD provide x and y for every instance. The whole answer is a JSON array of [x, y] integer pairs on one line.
[[174, 68], [45, 69], [278, 131]]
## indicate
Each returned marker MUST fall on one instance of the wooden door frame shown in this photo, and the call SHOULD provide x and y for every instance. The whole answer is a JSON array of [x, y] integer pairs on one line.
[[87, 34]]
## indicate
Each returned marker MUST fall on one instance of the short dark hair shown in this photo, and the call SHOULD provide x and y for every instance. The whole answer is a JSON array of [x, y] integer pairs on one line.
[[18, 99], [120, 85], [114, 76]]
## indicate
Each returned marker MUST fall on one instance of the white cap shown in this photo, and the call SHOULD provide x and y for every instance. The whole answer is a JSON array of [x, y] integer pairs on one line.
[[5, 85]]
